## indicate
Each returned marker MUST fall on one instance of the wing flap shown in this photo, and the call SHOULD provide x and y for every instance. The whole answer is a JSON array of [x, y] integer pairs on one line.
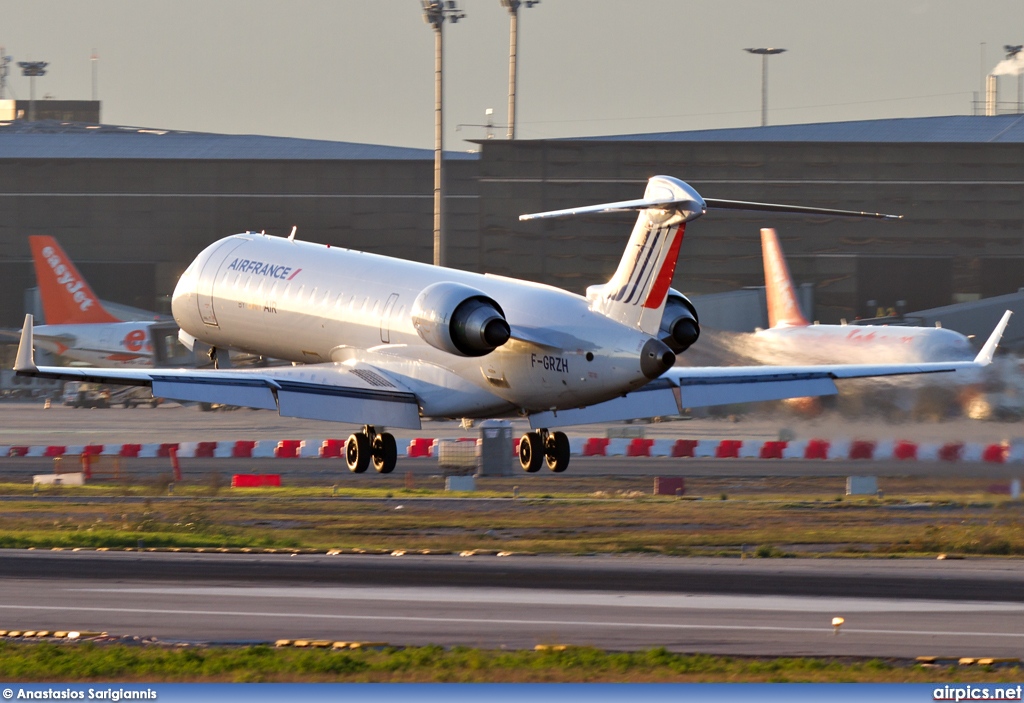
[[706, 395], [344, 404], [248, 393]]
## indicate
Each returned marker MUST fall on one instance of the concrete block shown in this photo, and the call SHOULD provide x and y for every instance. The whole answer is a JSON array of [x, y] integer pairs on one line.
[[460, 483], [861, 485]]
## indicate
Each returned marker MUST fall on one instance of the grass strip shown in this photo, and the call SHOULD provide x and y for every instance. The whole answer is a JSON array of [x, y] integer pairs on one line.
[[84, 662]]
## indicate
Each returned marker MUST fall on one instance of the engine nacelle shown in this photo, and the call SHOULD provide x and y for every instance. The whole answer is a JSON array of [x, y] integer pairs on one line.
[[459, 319], [680, 327]]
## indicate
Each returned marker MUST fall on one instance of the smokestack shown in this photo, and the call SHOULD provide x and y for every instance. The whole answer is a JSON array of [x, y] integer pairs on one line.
[[991, 95]]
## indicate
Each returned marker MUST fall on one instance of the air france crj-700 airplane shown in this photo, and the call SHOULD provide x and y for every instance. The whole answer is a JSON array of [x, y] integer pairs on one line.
[[790, 332], [385, 342], [78, 327]]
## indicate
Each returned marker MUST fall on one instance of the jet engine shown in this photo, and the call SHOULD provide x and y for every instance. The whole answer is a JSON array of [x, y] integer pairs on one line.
[[459, 319], [680, 327]]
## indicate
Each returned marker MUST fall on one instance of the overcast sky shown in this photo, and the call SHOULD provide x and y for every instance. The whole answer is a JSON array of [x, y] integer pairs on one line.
[[362, 70]]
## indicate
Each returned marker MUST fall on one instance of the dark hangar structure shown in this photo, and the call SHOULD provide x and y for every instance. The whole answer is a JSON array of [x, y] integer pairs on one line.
[[134, 206]]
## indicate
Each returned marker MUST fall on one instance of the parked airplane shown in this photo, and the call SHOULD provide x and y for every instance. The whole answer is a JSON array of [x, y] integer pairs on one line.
[[78, 326], [383, 341], [789, 334]]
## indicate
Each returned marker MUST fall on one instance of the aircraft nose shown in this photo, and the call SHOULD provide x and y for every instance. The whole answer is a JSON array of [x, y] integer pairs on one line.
[[656, 358]]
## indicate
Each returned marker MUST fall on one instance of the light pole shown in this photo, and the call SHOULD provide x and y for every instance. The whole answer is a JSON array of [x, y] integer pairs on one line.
[[435, 12], [4, 72], [1012, 51], [32, 69], [94, 58], [764, 53], [513, 46]]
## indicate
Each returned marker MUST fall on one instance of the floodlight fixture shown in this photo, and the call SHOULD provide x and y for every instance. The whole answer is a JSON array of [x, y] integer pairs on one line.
[[32, 69], [764, 53], [435, 12], [513, 48]]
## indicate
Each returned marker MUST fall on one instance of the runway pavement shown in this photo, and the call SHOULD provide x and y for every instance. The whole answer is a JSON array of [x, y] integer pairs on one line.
[[768, 607]]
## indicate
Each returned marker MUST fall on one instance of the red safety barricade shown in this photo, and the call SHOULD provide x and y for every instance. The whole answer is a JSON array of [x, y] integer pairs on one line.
[[164, 449], [288, 449], [639, 446], [728, 449], [669, 486], [772, 449], [54, 450], [596, 446], [905, 450], [255, 480], [333, 448], [684, 448], [816, 449], [92, 449], [994, 454], [862, 449], [420, 447], [205, 449], [243, 449], [951, 451], [130, 450]]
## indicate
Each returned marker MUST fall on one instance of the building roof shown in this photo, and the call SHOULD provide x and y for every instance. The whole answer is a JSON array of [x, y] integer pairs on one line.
[[74, 140], [954, 129]]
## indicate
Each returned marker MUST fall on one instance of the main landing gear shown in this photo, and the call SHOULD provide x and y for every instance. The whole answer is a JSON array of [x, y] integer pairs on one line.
[[544, 446], [366, 446]]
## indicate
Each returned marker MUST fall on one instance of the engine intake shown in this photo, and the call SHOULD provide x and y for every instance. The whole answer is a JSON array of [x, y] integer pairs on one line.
[[680, 327], [459, 319]]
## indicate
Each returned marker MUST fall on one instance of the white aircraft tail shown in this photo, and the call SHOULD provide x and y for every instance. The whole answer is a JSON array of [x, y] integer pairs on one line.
[[783, 306], [636, 294]]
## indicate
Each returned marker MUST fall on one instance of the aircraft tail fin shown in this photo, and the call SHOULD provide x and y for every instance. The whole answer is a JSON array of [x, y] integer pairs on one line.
[[67, 297], [783, 306], [636, 293]]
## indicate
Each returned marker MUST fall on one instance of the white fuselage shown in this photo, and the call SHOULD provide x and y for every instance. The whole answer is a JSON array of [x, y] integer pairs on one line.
[[101, 344], [312, 303], [863, 344]]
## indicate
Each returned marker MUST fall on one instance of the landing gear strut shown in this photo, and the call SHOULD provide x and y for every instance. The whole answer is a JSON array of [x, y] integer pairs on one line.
[[544, 447], [366, 446]]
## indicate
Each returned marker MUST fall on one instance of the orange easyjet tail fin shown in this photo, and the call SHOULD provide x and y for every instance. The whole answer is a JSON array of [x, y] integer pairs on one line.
[[67, 298], [783, 308]]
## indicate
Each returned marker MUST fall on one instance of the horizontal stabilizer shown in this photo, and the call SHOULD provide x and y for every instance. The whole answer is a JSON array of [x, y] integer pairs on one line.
[[716, 204], [621, 206]]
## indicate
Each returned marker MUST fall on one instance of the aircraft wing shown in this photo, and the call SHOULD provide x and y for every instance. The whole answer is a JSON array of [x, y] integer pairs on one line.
[[695, 387], [330, 391]]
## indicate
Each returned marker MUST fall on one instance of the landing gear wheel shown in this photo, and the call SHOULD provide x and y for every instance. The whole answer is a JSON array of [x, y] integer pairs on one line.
[[556, 452], [385, 453], [531, 452], [357, 452]]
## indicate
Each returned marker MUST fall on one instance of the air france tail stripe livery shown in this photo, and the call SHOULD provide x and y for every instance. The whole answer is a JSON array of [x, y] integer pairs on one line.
[[379, 341]]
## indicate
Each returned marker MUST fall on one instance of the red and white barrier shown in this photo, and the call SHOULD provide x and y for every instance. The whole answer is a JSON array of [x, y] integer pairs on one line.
[[637, 447]]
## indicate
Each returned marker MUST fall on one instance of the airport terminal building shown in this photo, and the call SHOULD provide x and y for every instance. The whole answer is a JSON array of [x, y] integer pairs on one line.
[[134, 206]]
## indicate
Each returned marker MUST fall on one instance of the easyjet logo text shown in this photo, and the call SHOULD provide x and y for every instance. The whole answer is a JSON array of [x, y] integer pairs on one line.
[[68, 280], [261, 268]]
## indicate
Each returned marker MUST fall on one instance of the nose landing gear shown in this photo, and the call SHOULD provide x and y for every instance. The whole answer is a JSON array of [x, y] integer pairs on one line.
[[542, 446], [366, 446]]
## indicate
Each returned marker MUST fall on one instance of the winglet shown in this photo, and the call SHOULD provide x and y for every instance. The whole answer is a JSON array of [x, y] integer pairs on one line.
[[24, 360], [984, 357]]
